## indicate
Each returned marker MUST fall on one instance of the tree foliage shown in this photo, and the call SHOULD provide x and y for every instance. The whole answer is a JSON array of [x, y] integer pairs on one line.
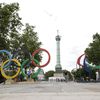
[[67, 74], [80, 74], [10, 23], [30, 39], [49, 74], [93, 50], [11, 34]]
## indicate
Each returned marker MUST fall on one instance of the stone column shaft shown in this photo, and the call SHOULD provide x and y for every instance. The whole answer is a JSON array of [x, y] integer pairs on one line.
[[58, 67]]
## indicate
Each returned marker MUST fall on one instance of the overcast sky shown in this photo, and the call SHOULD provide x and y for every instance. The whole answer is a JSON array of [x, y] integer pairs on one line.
[[76, 20]]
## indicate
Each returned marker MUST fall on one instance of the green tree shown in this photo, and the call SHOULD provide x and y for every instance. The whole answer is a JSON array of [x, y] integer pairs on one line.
[[93, 50], [79, 73], [10, 23], [11, 34], [30, 39], [27, 39], [67, 74], [15, 41], [49, 74]]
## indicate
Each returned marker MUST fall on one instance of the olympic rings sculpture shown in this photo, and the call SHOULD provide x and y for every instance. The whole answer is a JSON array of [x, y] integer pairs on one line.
[[8, 76], [35, 52], [14, 62], [23, 72], [85, 61], [86, 66], [9, 55]]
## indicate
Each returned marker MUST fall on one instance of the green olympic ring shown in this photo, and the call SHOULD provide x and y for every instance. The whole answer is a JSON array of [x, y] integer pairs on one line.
[[23, 72]]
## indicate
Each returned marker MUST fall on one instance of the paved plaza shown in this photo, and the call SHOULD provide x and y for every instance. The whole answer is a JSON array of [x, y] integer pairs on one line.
[[50, 91]]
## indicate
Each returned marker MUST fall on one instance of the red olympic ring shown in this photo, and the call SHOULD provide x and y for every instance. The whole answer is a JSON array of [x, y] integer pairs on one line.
[[78, 60], [38, 50]]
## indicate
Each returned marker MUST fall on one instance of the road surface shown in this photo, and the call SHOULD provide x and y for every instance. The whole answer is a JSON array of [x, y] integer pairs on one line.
[[50, 91]]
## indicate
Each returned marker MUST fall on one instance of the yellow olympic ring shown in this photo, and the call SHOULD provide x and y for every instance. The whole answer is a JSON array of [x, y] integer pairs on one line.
[[0, 65], [3, 73]]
